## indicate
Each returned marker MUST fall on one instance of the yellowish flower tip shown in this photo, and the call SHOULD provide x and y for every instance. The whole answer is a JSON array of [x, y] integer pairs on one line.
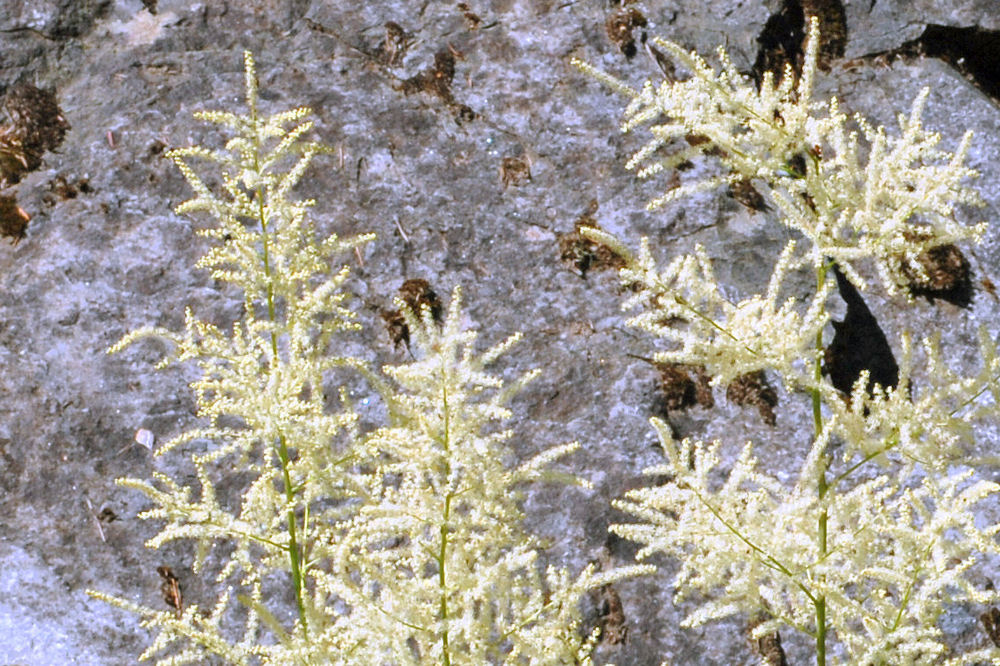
[[250, 82]]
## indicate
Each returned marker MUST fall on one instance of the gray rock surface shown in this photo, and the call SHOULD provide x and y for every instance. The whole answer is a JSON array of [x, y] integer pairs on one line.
[[109, 257]]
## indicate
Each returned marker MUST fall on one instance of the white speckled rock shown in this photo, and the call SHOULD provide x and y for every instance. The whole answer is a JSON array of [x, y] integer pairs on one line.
[[113, 257]]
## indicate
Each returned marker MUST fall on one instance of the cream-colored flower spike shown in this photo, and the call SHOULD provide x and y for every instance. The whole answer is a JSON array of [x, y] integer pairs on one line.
[[402, 544], [888, 198], [684, 306], [886, 520], [448, 516]]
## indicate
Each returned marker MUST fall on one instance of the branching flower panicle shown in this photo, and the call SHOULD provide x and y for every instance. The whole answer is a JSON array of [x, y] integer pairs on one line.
[[869, 546], [684, 306], [432, 556], [401, 545], [890, 206], [261, 387]]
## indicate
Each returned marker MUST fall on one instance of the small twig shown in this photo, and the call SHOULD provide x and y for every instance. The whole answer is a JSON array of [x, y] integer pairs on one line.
[[644, 358], [97, 521], [406, 239], [171, 590]]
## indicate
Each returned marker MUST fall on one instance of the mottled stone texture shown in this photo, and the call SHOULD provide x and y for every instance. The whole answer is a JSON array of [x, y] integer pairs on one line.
[[430, 172]]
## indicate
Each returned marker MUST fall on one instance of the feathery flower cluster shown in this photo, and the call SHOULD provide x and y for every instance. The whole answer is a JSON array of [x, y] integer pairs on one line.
[[684, 306], [399, 546], [890, 200], [441, 564], [868, 547]]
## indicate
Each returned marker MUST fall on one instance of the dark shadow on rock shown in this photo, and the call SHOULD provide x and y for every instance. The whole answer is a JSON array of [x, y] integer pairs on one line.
[[858, 344], [973, 51], [782, 39]]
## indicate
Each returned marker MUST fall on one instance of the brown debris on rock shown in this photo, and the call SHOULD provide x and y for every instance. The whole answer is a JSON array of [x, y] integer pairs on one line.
[[395, 325], [171, 589], [392, 49], [13, 219], [436, 79], [746, 194], [948, 276], [472, 20], [36, 125], [768, 646], [752, 389], [419, 297], [584, 254], [619, 27], [991, 623], [684, 386], [515, 171], [614, 630]]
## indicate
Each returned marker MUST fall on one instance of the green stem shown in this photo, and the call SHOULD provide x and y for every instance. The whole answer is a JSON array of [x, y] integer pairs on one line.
[[767, 560], [443, 553], [711, 322], [294, 548], [819, 602], [871, 456], [442, 582], [965, 403], [294, 551]]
